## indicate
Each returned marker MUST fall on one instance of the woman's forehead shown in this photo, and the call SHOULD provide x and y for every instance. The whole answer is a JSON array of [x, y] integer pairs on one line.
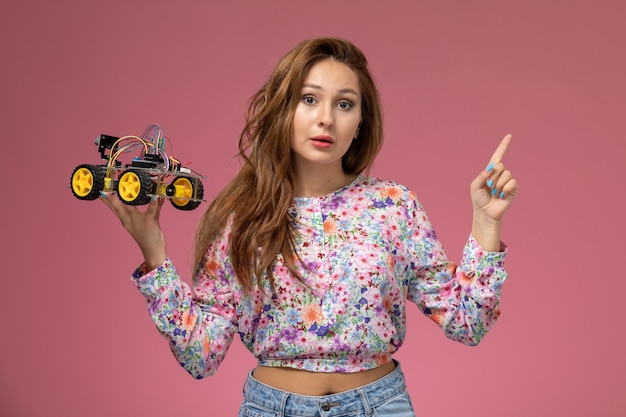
[[332, 76]]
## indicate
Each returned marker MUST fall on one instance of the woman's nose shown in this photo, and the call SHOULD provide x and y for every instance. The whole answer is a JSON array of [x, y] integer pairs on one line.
[[326, 117]]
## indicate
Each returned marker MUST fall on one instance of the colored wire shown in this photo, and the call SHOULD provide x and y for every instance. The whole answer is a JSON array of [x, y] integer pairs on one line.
[[150, 141]]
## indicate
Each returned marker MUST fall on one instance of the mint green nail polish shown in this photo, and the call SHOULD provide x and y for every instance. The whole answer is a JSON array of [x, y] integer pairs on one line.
[[489, 167]]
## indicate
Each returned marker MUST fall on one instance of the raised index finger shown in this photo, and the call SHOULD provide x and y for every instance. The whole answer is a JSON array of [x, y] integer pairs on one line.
[[501, 149]]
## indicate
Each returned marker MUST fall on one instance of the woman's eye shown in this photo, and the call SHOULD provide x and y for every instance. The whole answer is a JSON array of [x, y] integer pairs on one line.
[[345, 105], [308, 100]]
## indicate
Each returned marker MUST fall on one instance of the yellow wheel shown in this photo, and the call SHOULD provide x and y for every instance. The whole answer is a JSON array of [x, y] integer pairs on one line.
[[82, 182], [186, 193], [134, 186], [87, 181]]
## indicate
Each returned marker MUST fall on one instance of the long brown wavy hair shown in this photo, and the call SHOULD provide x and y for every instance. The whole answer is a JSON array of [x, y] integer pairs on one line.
[[257, 200]]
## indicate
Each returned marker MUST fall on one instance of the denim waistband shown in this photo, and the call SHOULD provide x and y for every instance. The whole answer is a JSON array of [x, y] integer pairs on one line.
[[360, 399]]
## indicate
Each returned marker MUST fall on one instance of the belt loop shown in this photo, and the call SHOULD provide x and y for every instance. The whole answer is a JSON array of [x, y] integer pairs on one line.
[[283, 404], [244, 387], [366, 404]]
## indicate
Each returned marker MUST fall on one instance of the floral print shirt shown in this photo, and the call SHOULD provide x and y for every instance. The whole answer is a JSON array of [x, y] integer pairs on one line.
[[367, 249]]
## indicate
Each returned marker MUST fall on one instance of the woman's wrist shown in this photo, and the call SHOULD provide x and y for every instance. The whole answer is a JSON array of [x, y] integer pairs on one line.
[[487, 232], [153, 261]]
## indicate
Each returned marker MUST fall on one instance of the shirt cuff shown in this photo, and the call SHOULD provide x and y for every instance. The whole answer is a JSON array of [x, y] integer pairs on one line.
[[151, 283], [482, 263]]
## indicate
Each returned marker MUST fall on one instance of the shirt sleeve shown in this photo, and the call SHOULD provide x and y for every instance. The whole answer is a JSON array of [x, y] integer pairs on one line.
[[464, 300], [199, 321]]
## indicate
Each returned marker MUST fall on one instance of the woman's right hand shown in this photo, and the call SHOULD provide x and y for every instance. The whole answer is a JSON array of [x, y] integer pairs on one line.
[[143, 226]]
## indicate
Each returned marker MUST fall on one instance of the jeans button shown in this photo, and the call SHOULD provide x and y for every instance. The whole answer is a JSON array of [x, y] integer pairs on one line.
[[326, 407]]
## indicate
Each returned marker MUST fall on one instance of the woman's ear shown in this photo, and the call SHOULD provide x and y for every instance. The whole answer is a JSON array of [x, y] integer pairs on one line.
[[356, 134]]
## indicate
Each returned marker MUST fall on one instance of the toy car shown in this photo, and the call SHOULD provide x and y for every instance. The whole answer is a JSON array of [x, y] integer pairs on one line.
[[151, 173]]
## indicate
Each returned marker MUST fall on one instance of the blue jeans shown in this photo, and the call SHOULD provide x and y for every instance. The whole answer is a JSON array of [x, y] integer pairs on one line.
[[384, 397]]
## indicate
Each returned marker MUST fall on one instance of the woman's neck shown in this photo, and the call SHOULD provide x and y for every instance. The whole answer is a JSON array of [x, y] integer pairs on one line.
[[321, 182]]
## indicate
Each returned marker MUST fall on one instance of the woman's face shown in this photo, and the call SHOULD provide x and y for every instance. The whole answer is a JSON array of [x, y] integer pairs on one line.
[[327, 117]]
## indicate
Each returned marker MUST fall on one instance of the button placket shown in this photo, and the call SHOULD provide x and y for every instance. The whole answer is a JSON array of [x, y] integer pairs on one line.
[[325, 270]]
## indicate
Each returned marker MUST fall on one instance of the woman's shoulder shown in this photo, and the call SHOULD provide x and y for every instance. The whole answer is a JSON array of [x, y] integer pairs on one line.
[[385, 189]]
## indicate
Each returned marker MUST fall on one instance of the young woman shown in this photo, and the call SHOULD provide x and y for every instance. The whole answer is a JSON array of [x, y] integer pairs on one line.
[[311, 261]]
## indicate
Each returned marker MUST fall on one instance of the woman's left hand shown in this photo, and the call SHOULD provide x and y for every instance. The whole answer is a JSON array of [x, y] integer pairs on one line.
[[494, 189]]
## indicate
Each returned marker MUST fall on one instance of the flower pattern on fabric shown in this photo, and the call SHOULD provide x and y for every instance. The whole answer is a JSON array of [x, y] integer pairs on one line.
[[365, 249]]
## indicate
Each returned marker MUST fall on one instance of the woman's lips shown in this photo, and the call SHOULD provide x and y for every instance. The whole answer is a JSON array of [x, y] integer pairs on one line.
[[322, 141]]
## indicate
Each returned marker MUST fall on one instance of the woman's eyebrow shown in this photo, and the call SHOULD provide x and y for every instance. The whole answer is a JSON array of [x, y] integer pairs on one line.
[[342, 91]]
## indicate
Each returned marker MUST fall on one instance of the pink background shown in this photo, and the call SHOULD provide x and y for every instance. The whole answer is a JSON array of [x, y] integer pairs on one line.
[[455, 76]]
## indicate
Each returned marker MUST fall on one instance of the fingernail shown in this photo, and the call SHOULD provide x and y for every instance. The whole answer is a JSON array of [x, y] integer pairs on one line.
[[103, 194], [490, 183], [489, 167], [494, 191], [502, 194], [153, 198]]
